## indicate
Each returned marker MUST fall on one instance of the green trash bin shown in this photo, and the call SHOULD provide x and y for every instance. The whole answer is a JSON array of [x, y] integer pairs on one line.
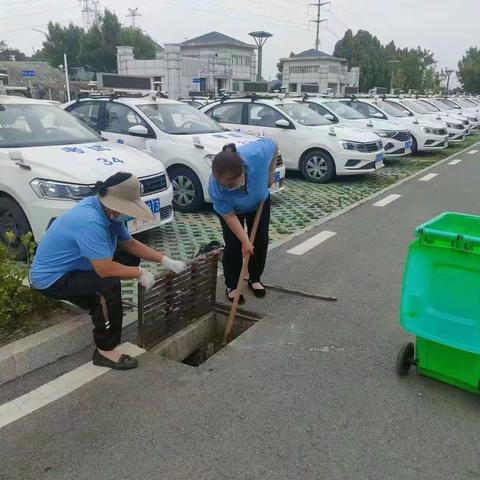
[[440, 301]]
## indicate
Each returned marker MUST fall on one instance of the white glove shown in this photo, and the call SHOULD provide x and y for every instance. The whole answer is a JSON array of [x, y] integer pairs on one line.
[[146, 279], [174, 265]]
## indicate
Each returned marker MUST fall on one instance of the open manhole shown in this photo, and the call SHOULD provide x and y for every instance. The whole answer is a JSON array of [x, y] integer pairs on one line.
[[179, 317], [200, 340]]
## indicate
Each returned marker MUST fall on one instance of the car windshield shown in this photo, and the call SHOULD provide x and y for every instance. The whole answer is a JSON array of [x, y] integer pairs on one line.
[[303, 114], [393, 109], [344, 111], [416, 107], [449, 104], [466, 103], [431, 108], [180, 119], [35, 125], [440, 105]]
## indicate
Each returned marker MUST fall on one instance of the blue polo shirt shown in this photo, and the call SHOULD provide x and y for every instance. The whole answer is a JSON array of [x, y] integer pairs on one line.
[[256, 157], [82, 234]]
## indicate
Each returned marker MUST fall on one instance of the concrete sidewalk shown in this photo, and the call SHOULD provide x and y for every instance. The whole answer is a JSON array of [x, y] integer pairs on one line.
[[310, 392]]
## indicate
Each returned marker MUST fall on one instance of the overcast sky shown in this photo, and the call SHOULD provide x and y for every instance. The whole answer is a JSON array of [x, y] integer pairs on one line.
[[446, 28]]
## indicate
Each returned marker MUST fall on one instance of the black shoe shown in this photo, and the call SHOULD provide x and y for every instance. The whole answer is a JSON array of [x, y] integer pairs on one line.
[[126, 362], [241, 300], [259, 293]]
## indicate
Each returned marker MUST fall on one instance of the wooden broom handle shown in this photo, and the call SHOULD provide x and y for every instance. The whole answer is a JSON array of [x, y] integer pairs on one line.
[[241, 279]]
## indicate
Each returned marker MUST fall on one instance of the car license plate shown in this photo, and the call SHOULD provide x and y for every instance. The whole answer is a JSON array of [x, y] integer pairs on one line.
[[408, 146], [136, 225], [276, 186], [379, 160], [445, 143]]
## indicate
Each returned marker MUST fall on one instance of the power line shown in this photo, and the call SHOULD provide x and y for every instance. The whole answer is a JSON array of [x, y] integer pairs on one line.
[[90, 14], [318, 21]]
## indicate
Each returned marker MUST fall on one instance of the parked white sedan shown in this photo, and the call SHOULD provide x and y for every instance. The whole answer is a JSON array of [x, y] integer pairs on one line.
[[181, 137], [309, 143]]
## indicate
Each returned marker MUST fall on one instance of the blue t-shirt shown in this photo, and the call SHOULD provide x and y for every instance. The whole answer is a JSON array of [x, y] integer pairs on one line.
[[256, 157], [82, 234]]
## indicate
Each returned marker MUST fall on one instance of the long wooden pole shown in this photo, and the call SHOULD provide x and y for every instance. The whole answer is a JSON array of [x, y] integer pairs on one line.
[[241, 279]]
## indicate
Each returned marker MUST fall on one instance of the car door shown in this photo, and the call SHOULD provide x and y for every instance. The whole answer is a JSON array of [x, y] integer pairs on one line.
[[118, 119]]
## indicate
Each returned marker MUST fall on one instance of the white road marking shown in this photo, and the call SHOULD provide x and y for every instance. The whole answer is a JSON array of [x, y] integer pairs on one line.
[[387, 200], [61, 386], [428, 177], [455, 162], [472, 152], [311, 243]]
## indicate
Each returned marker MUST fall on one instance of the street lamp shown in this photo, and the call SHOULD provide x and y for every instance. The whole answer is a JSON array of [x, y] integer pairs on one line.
[[394, 64], [260, 39], [448, 72]]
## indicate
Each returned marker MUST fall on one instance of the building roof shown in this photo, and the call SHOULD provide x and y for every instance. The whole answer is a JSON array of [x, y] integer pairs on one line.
[[215, 38], [313, 53]]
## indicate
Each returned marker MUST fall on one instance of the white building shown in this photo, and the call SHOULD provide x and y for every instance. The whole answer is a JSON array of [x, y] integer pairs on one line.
[[313, 71], [206, 64]]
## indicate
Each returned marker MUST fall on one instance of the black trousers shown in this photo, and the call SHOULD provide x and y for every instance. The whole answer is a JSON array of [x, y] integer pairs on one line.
[[101, 297], [232, 256]]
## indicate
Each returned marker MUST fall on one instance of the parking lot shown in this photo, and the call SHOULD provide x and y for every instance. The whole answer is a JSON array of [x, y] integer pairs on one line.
[[299, 206]]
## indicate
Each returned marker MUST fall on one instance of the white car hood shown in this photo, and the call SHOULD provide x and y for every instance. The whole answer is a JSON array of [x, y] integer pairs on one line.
[[378, 124], [87, 163], [347, 133], [213, 143]]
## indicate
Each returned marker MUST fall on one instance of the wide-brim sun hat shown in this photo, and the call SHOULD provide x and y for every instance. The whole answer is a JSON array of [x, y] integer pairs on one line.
[[124, 197]]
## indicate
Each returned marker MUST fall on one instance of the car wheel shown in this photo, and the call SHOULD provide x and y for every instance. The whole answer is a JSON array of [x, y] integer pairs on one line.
[[414, 146], [187, 190], [318, 166], [13, 219]]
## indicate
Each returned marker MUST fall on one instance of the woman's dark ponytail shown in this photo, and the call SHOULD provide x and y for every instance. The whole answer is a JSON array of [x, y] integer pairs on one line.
[[102, 187], [230, 147]]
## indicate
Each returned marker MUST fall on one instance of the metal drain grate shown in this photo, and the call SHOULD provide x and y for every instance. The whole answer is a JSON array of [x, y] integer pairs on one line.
[[175, 301]]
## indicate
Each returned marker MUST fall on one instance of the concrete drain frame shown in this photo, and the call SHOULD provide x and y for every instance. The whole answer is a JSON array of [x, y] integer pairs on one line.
[[179, 317]]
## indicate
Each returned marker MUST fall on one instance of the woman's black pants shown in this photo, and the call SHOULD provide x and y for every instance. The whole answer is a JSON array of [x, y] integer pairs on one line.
[[232, 256], [101, 297]]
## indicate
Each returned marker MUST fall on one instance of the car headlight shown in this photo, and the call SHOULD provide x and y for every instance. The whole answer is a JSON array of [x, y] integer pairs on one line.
[[427, 130], [209, 158], [349, 145], [381, 133], [61, 191]]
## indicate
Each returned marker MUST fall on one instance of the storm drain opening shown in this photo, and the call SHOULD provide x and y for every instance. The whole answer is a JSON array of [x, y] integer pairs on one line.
[[179, 317], [202, 339]]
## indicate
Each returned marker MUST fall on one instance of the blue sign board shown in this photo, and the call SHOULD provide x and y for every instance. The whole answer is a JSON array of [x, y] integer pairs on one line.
[[28, 73], [196, 80]]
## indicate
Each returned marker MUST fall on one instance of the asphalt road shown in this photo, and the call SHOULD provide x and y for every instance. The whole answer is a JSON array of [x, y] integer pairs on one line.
[[310, 392]]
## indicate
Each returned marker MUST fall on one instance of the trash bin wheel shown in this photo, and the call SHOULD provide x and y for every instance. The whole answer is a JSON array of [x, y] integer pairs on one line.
[[405, 359]]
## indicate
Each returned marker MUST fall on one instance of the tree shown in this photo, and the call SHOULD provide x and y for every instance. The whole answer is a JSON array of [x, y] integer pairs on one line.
[[469, 71], [416, 70], [6, 53], [280, 65], [95, 49]]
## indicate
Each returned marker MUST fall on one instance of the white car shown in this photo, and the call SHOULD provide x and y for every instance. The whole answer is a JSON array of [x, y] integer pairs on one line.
[[395, 137], [184, 139], [427, 135], [434, 109], [308, 142], [448, 106], [49, 160], [455, 126]]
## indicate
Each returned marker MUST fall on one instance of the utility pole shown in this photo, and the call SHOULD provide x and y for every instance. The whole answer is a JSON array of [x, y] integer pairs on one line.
[[318, 21], [394, 64], [133, 14], [448, 72], [90, 13]]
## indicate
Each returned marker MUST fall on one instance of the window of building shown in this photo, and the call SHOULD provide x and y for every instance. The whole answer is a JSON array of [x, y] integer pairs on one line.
[[304, 69], [333, 69]]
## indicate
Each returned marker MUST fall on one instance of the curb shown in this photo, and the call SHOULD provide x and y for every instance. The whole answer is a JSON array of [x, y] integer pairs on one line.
[[47, 346]]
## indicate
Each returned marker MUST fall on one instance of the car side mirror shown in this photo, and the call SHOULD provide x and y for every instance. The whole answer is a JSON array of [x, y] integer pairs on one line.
[[330, 117], [138, 131], [378, 115], [282, 123]]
